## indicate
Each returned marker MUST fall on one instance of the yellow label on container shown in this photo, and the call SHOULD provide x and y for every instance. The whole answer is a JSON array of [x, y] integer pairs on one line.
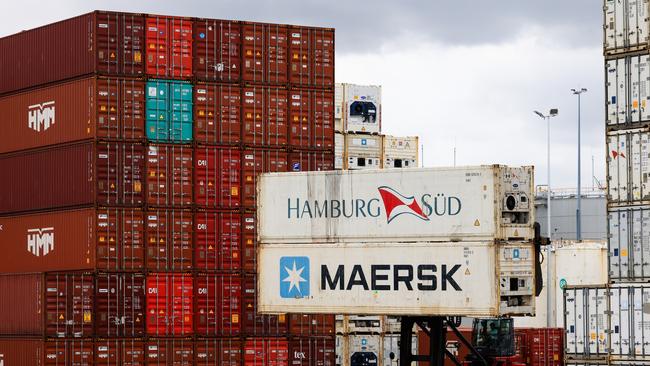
[[623, 252], [234, 191], [87, 317], [235, 318]]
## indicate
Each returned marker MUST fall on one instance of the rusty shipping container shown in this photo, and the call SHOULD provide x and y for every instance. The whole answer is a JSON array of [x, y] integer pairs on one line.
[[169, 304], [89, 173], [107, 43], [217, 179], [218, 241], [217, 45], [169, 175], [50, 352], [218, 304], [266, 352], [217, 113], [255, 162], [169, 46], [90, 108], [218, 352], [170, 238]]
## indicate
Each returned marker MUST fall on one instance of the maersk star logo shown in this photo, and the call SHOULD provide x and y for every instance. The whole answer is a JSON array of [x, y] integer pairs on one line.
[[294, 277]]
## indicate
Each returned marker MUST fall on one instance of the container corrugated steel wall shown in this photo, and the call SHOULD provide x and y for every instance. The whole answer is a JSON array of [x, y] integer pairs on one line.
[[169, 46], [216, 47]]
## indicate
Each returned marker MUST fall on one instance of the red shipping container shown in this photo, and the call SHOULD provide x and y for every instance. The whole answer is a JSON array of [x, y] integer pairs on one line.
[[543, 346], [100, 108], [266, 352], [169, 46], [169, 304], [218, 304], [323, 39], [311, 324], [169, 240], [302, 118], [169, 175], [454, 345], [218, 238], [255, 162], [51, 352], [171, 352], [119, 305], [217, 179], [107, 43], [265, 116], [256, 324], [265, 53], [313, 351], [323, 119], [311, 56], [249, 242], [119, 352], [110, 239], [73, 175], [218, 352], [303, 161], [217, 114], [217, 46]]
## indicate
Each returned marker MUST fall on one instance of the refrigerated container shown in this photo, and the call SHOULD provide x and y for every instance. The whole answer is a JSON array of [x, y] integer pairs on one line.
[[628, 164], [169, 175], [88, 173], [169, 46], [217, 49], [217, 179], [265, 116], [170, 240], [400, 152], [169, 305], [629, 322], [626, 26], [586, 322], [83, 109], [217, 113], [363, 151], [218, 305], [169, 109], [355, 350], [101, 42], [256, 162], [338, 108], [629, 244], [339, 152], [218, 238], [218, 351], [364, 324], [266, 352], [626, 90], [361, 108], [426, 204]]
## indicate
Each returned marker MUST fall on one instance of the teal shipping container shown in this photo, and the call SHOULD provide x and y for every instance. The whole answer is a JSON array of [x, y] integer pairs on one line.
[[169, 111]]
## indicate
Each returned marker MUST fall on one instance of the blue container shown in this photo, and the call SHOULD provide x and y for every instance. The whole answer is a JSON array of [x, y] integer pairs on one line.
[[169, 111]]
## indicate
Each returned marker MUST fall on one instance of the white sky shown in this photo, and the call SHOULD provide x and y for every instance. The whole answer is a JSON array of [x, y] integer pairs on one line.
[[464, 73]]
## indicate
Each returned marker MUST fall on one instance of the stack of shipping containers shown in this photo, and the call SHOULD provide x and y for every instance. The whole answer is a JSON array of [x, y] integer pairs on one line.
[[610, 323], [130, 149]]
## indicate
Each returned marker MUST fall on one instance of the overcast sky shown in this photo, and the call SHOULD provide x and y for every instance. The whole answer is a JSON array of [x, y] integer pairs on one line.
[[462, 73]]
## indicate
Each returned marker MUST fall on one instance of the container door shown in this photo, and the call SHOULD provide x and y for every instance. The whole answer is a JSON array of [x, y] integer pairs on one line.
[[169, 304], [640, 223], [253, 45], [218, 238], [120, 43], [323, 120], [615, 76], [639, 147], [637, 23], [249, 242], [217, 114], [120, 305], [300, 51], [619, 223], [323, 58], [575, 321], [223, 352], [620, 321], [124, 352], [169, 240], [69, 305], [120, 239], [218, 305], [218, 177], [276, 119], [216, 50], [301, 117], [277, 54], [169, 47], [253, 109], [176, 352], [617, 187], [615, 25], [640, 88], [169, 175], [597, 321]]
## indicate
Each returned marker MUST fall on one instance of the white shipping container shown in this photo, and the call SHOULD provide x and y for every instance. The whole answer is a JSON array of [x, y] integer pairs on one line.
[[626, 25], [338, 102], [339, 151], [390, 350], [364, 350], [586, 322], [424, 204], [627, 90], [629, 244], [363, 151], [630, 322], [362, 108], [628, 167], [398, 278], [400, 152]]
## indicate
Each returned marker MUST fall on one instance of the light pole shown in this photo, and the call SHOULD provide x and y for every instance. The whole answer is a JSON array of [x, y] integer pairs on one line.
[[578, 212], [550, 292]]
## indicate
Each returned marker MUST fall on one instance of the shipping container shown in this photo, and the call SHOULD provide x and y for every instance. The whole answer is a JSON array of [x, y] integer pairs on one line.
[[265, 116], [339, 152], [266, 352], [626, 26], [119, 351], [391, 349], [338, 108], [629, 324], [432, 204], [169, 46], [217, 113], [311, 324], [626, 90], [256, 324], [169, 175], [586, 322], [311, 56], [107, 239], [91, 108], [312, 351], [256, 162], [361, 108], [90, 173], [544, 346], [400, 152], [50, 352], [628, 164], [169, 305], [170, 351], [217, 45], [169, 111], [53, 305], [120, 305], [301, 117], [249, 242], [218, 241], [218, 305], [303, 161], [363, 151], [265, 53], [217, 180], [170, 238], [629, 243], [323, 119], [107, 43], [359, 350], [316, 281], [218, 352]]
